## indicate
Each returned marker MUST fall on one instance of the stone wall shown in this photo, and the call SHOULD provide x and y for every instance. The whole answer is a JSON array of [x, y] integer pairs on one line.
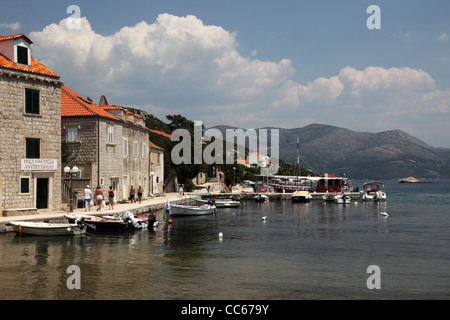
[[16, 126]]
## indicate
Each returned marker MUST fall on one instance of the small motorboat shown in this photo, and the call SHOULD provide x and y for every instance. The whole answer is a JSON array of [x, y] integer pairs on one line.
[[189, 209], [302, 196], [126, 221], [342, 198], [78, 227], [261, 198], [223, 203], [373, 191]]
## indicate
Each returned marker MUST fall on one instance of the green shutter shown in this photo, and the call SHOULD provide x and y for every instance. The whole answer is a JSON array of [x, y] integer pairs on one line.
[[33, 148], [22, 55], [32, 101], [24, 185]]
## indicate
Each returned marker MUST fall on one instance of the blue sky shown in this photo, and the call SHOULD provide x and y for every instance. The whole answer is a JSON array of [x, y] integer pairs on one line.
[[254, 63]]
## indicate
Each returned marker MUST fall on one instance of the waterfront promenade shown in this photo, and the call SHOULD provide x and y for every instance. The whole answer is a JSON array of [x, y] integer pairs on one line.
[[147, 205]]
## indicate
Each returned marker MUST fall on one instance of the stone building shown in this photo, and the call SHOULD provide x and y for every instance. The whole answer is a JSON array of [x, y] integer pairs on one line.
[[110, 144], [156, 169], [30, 131]]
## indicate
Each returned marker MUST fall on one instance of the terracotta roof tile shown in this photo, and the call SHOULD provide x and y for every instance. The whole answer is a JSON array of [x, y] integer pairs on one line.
[[35, 67], [74, 105], [162, 133]]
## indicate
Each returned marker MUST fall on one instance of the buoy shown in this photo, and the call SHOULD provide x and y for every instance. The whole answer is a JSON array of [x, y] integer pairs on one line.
[[220, 235], [170, 221], [264, 218], [68, 229], [384, 214]]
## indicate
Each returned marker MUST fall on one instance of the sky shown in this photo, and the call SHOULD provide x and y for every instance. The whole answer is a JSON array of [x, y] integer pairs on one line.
[[253, 64]]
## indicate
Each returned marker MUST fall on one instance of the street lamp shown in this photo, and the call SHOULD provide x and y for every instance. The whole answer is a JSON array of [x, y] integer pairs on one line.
[[72, 172]]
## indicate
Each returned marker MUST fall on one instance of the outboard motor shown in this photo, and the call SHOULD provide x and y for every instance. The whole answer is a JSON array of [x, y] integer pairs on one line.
[[79, 220], [129, 217]]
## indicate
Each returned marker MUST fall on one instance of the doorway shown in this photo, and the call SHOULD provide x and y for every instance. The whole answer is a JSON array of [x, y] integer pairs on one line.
[[41, 193]]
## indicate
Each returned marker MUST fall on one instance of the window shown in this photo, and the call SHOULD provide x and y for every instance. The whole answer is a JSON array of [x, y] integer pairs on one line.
[[135, 149], [111, 134], [144, 151], [31, 101], [24, 185], [22, 55], [72, 134], [33, 148], [125, 147]]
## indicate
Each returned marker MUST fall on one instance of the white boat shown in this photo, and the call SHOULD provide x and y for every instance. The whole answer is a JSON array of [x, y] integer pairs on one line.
[[189, 209], [342, 198], [301, 196], [48, 229], [336, 197], [222, 203], [261, 198], [373, 191]]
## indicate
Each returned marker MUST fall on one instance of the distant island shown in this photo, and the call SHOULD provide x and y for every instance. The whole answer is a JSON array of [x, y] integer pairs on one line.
[[412, 180]]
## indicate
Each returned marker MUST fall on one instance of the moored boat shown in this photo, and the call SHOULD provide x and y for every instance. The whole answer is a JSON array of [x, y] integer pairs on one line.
[[189, 209], [261, 198], [49, 229], [301, 196], [222, 203], [373, 191], [126, 221]]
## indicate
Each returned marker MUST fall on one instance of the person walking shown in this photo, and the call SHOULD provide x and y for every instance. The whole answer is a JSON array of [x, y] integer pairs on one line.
[[99, 197], [111, 198], [140, 192], [87, 198], [132, 194]]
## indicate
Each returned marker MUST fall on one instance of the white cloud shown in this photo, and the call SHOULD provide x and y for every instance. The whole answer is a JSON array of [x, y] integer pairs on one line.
[[179, 65], [13, 26], [175, 60], [443, 37]]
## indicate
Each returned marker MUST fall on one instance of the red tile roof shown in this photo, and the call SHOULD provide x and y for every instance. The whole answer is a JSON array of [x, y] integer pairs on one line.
[[35, 67], [162, 133], [74, 105], [15, 36]]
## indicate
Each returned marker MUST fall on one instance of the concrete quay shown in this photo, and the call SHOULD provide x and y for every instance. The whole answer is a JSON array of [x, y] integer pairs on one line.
[[147, 205]]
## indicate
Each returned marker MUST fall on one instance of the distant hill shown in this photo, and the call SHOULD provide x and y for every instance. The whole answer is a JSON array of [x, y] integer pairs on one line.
[[361, 155]]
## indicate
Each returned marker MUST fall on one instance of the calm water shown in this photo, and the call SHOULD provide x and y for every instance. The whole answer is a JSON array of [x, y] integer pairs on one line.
[[301, 251]]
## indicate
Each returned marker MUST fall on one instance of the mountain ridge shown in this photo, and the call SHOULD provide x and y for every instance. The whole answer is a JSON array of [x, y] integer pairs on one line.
[[382, 155]]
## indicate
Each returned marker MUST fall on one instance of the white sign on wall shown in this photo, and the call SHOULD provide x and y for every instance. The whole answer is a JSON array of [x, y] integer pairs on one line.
[[38, 164]]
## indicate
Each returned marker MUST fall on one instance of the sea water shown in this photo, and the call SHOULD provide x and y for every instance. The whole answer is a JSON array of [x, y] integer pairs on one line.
[[316, 250]]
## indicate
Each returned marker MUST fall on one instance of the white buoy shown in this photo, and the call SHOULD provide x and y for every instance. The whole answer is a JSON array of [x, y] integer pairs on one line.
[[384, 214], [220, 235], [264, 218]]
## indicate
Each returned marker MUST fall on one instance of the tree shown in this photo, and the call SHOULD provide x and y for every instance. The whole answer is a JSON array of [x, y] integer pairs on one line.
[[66, 152]]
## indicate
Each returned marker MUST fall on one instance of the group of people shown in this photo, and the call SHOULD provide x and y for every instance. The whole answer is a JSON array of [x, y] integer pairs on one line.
[[99, 197]]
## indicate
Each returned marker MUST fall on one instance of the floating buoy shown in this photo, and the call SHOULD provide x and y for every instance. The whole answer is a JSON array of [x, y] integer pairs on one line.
[[264, 218], [220, 235], [170, 221], [68, 229], [384, 214]]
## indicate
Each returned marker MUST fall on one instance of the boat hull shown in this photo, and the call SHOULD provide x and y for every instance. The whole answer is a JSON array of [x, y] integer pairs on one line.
[[48, 229], [113, 223], [223, 203], [190, 210]]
